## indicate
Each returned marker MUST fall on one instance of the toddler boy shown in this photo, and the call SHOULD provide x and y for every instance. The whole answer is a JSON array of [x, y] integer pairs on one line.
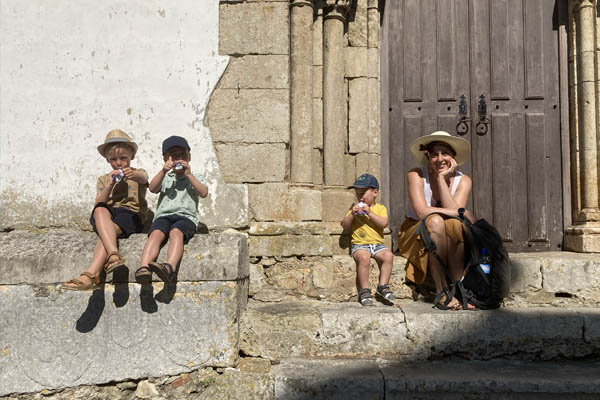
[[367, 219], [176, 216]]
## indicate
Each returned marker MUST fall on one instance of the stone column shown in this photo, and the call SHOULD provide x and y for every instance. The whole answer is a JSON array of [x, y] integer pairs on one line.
[[586, 84], [334, 91], [584, 235], [301, 20]]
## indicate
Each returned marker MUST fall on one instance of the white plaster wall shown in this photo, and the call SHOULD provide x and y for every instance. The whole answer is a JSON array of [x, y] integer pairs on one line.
[[72, 71]]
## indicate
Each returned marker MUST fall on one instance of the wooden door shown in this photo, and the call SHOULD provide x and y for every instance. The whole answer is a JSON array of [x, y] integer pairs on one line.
[[507, 51]]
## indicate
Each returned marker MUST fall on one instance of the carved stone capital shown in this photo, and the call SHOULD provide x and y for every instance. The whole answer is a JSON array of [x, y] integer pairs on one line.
[[336, 8], [302, 3]]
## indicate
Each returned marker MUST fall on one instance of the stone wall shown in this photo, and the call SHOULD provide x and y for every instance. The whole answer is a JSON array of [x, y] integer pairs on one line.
[[302, 74]]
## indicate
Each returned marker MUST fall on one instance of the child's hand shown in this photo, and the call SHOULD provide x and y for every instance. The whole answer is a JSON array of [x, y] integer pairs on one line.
[[359, 209], [187, 171], [116, 176], [168, 165], [128, 172]]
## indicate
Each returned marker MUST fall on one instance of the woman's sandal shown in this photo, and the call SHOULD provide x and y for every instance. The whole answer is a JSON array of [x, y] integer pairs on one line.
[[79, 285], [364, 297], [164, 271], [143, 275], [110, 266]]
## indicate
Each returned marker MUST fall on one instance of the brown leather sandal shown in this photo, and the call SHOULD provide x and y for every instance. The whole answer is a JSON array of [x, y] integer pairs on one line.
[[79, 285], [164, 271], [110, 266], [143, 275]]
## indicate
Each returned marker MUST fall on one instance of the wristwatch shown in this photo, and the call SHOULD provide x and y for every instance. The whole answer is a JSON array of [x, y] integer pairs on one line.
[[461, 213]]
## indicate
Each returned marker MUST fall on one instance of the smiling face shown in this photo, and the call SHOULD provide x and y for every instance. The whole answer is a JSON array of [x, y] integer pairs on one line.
[[119, 156], [440, 156], [366, 195]]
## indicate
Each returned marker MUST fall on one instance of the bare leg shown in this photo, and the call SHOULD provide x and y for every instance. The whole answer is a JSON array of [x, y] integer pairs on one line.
[[175, 250], [437, 231], [456, 259], [363, 261], [107, 230], [152, 247], [385, 260]]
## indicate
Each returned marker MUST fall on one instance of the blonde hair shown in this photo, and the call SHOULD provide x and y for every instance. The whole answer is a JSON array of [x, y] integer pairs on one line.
[[113, 147]]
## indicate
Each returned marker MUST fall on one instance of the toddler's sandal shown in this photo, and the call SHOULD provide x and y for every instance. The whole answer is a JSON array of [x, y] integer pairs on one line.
[[164, 271], [143, 275]]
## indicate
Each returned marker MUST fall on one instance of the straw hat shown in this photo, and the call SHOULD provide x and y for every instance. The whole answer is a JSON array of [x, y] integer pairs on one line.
[[116, 136], [461, 146]]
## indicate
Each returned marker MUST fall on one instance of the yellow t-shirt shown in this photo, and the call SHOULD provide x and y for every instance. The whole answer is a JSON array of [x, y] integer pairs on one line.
[[127, 194], [365, 231]]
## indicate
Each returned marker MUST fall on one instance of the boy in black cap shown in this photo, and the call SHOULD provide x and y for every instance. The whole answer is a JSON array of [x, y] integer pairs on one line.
[[367, 219], [176, 216]]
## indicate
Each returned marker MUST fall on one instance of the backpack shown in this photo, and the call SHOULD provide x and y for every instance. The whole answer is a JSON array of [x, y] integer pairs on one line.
[[485, 291]]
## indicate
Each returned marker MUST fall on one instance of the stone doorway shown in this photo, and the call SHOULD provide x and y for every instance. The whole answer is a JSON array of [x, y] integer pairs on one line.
[[506, 50]]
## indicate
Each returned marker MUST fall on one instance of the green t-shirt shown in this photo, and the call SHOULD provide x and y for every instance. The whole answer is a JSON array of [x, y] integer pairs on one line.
[[178, 196]]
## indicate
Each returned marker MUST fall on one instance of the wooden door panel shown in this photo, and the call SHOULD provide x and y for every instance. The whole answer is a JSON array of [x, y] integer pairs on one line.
[[506, 50]]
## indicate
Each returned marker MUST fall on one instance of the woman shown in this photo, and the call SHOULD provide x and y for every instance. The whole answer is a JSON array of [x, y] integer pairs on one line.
[[436, 187]]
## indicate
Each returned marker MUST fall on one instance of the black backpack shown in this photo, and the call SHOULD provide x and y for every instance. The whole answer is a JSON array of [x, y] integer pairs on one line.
[[485, 291]]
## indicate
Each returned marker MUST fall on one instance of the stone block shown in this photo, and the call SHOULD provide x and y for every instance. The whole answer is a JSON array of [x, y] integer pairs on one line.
[[84, 338], [373, 64], [341, 244], [226, 208], [368, 163], [356, 62], [526, 272], [290, 245], [239, 162], [350, 172], [373, 21], [333, 379], [357, 28], [544, 332], [57, 256], [257, 72], [280, 202], [563, 276], [336, 203], [373, 117], [256, 279], [358, 125], [254, 28], [286, 228], [249, 116]]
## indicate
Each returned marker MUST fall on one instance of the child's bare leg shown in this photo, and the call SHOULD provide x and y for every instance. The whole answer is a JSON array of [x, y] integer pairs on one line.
[[107, 230], [152, 247], [98, 259], [385, 260], [363, 261], [175, 250]]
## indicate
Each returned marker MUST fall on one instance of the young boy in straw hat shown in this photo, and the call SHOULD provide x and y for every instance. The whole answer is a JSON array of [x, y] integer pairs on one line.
[[436, 187], [120, 208], [367, 219]]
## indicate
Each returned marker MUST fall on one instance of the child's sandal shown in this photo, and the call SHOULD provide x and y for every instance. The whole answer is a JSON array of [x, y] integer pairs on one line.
[[110, 266], [143, 275], [385, 292], [364, 297], [79, 285], [164, 271]]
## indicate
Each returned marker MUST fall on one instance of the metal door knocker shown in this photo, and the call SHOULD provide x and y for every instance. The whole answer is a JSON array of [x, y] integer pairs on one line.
[[482, 126]]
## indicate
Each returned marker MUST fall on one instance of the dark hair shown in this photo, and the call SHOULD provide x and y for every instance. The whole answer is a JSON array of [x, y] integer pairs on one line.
[[428, 147]]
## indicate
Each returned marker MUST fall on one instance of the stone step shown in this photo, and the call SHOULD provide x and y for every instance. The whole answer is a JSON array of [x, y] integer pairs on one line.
[[434, 380], [548, 278], [313, 329], [52, 338]]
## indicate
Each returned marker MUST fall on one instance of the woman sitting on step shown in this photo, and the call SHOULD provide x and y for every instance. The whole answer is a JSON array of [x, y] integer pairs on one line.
[[436, 187]]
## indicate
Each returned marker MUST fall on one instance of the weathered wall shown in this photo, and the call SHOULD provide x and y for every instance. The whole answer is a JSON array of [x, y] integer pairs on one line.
[[70, 73]]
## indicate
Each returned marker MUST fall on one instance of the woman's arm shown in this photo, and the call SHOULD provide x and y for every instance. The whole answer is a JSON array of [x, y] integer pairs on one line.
[[416, 196]]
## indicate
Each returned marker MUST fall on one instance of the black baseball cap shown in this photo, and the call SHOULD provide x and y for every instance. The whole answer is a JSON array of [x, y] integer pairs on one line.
[[365, 181], [174, 141]]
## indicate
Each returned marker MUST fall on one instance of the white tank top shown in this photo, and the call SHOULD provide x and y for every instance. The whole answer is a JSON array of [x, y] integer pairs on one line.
[[410, 213]]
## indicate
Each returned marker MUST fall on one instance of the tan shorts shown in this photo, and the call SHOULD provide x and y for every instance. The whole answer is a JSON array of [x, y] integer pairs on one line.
[[412, 248]]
